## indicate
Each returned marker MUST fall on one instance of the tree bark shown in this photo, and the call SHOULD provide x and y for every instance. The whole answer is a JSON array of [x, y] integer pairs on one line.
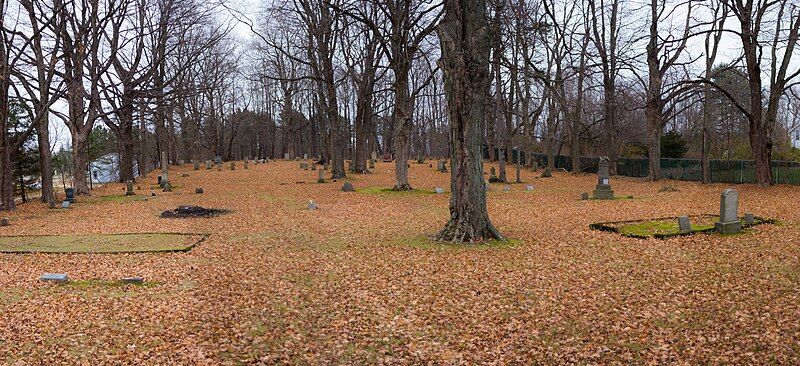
[[464, 36]]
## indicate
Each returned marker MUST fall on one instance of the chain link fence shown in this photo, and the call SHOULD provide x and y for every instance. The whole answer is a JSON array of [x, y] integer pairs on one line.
[[722, 171]]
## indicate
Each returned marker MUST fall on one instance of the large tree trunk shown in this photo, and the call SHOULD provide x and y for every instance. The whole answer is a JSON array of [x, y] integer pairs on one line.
[[45, 158], [464, 37], [402, 129], [80, 161]]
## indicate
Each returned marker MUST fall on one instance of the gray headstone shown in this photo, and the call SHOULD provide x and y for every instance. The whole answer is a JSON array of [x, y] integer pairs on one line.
[[547, 172], [209, 165], [321, 178], [728, 213], [196, 165], [348, 187], [312, 205], [529, 188], [749, 218], [65, 204], [217, 159], [684, 225], [603, 189], [285, 156], [55, 277], [129, 188], [374, 155], [439, 190], [305, 156]]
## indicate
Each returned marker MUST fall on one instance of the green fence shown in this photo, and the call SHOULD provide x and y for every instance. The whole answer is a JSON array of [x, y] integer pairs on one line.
[[722, 171]]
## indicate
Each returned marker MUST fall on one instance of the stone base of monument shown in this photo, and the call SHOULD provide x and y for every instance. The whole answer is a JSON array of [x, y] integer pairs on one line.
[[728, 227], [603, 192]]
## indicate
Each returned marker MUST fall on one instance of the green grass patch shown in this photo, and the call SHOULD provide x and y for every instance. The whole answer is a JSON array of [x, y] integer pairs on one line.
[[659, 227], [389, 191], [99, 243], [424, 242]]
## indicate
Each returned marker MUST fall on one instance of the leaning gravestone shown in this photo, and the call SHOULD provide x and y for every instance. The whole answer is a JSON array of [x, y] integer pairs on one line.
[[129, 188], [70, 192], [684, 226], [348, 187], [439, 190], [603, 189], [728, 213], [196, 165]]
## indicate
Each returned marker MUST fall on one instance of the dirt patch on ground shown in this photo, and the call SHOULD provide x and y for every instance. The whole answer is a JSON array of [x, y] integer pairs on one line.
[[192, 212]]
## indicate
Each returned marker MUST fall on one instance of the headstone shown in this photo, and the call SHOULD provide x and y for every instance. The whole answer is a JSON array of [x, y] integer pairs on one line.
[[55, 277], [70, 192], [547, 173], [321, 178], [132, 280], [492, 175], [684, 225], [196, 165], [129, 188], [4, 222], [312, 205], [749, 218], [217, 160], [603, 189], [584, 196], [374, 155], [305, 156], [209, 165], [442, 166], [164, 172], [285, 156], [198, 190], [65, 204], [348, 187], [728, 213], [439, 190], [529, 188], [507, 189]]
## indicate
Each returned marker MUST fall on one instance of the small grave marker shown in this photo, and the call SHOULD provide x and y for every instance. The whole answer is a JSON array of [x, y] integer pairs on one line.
[[321, 178], [439, 190], [132, 280], [129, 188], [209, 165], [65, 204], [55, 277], [196, 164], [348, 187], [312, 205], [749, 218], [529, 188], [684, 225]]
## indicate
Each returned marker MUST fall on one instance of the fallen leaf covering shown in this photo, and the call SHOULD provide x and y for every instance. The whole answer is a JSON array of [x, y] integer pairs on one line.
[[277, 283]]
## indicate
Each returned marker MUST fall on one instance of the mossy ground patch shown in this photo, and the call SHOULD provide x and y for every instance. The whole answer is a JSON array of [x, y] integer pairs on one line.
[[100, 243]]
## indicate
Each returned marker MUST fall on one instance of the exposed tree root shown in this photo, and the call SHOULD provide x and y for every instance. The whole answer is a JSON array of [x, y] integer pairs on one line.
[[403, 188], [460, 231]]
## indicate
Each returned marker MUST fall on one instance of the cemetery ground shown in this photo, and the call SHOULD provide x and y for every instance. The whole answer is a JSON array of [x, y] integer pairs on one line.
[[356, 281]]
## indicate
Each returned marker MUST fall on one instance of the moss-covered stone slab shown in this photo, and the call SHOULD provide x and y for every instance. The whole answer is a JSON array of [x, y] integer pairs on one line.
[[665, 227], [100, 243]]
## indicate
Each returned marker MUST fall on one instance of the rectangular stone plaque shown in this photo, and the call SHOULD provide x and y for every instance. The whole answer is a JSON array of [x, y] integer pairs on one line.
[[55, 277]]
